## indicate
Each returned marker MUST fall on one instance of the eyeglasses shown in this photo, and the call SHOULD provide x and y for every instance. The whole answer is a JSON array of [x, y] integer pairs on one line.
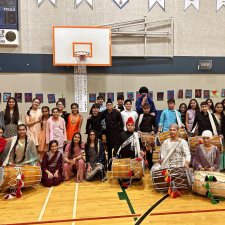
[[92, 134], [60, 105]]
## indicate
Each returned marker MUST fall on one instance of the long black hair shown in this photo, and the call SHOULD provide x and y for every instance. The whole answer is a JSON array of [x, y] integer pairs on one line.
[[197, 105], [72, 143], [89, 142], [52, 142], [28, 111], [223, 103], [2, 128], [212, 106], [185, 107], [16, 115], [18, 137], [44, 107]]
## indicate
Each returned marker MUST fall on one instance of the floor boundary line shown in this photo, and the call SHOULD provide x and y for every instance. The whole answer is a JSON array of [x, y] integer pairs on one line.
[[114, 217], [45, 204], [75, 203]]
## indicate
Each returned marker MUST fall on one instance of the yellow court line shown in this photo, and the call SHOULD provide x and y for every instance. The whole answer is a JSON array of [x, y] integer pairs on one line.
[[75, 203], [45, 204]]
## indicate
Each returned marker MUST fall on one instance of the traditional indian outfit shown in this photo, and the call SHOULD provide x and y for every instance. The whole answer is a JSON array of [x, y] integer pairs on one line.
[[2, 144], [206, 159], [180, 155], [191, 118], [79, 167], [34, 131], [11, 128], [72, 126], [52, 163], [56, 130], [97, 160], [14, 154], [42, 147]]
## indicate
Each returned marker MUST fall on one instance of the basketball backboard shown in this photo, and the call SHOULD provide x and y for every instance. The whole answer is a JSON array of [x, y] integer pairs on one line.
[[70, 39]]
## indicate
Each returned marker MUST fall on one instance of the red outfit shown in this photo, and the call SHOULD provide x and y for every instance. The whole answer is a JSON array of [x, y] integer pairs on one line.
[[2, 143], [51, 163]]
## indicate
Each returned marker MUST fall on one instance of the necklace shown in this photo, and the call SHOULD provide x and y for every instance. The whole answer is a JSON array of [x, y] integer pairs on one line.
[[55, 120], [21, 143], [73, 121]]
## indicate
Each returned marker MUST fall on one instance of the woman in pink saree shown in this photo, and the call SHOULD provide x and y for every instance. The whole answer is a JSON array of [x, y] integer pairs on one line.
[[73, 160]]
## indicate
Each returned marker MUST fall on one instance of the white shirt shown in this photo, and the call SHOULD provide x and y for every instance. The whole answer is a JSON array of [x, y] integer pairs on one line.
[[126, 114]]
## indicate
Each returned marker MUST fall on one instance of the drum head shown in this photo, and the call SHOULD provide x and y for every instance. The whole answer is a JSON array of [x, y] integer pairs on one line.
[[1, 176]]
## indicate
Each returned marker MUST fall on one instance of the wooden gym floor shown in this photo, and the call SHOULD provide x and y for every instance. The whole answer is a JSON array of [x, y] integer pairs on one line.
[[99, 203]]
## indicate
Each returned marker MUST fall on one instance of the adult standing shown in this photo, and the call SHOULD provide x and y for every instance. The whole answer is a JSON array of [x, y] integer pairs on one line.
[[12, 117], [145, 98]]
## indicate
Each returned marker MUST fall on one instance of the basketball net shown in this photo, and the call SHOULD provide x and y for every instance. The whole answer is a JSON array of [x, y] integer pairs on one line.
[[80, 80]]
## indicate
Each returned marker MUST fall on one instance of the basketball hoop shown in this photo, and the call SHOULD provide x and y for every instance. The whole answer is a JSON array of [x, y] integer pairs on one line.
[[81, 57]]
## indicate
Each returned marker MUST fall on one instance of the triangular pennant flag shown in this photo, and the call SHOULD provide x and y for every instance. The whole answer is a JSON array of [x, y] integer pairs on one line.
[[151, 4], [120, 3], [195, 3], [89, 2], [18, 177], [40, 1], [219, 4]]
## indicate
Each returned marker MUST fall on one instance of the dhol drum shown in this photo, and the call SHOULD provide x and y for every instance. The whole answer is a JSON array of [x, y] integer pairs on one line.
[[180, 178], [8, 176], [148, 141], [193, 143], [217, 188], [165, 135], [122, 167]]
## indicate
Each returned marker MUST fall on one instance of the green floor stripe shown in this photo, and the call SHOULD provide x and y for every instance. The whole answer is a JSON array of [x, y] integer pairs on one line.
[[123, 196]]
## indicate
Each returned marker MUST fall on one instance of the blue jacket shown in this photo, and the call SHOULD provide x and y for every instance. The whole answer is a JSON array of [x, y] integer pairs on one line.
[[139, 108]]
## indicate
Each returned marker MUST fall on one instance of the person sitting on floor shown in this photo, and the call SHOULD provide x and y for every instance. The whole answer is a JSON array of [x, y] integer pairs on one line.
[[51, 166], [207, 155], [95, 158]]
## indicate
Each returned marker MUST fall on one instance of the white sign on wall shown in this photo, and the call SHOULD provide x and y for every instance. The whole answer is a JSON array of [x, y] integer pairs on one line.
[[80, 91], [195, 3], [219, 4], [89, 2], [152, 3], [40, 1], [120, 3]]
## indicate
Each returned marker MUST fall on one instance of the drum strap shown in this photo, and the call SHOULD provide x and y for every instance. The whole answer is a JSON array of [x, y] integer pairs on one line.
[[178, 118], [140, 120], [170, 153], [128, 141], [11, 147]]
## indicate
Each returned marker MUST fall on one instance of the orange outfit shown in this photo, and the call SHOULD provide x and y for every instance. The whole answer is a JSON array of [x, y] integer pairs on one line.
[[72, 127]]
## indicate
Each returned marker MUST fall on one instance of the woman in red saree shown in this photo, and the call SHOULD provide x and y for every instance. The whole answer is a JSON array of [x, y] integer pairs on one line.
[[73, 160], [52, 165]]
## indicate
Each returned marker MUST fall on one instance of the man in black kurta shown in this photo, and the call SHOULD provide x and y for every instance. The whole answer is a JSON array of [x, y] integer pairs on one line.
[[147, 123], [114, 125]]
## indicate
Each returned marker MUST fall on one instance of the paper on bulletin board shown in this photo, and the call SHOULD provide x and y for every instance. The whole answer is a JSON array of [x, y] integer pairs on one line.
[[80, 91]]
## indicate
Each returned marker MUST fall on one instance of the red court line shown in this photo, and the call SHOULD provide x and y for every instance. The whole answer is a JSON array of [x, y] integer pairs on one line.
[[115, 217]]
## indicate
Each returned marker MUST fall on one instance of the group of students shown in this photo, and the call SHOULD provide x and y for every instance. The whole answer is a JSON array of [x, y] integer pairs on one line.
[[53, 139]]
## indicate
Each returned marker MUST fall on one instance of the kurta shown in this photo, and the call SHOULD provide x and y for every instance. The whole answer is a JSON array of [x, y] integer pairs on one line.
[[51, 163], [148, 124], [191, 118], [56, 130], [94, 123], [167, 118], [2, 144], [126, 114], [72, 127], [79, 167], [97, 160], [177, 157], [42, 138], [139, 107], [9, 156], [128, 151], [206, 159], [11, 128], [34, 131]]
